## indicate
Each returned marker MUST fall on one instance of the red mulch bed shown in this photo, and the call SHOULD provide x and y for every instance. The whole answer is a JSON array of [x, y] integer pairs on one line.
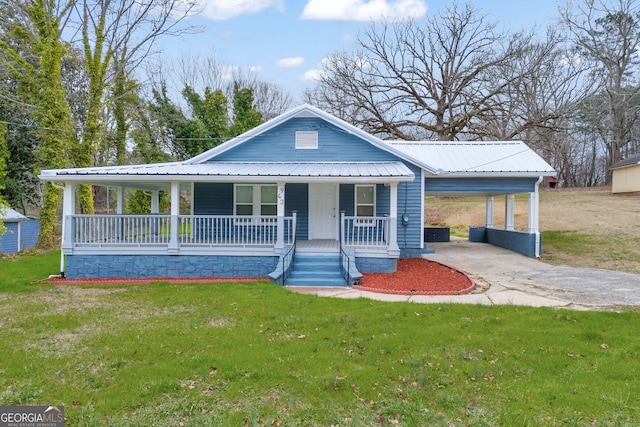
[[418, 276], [414, 276]]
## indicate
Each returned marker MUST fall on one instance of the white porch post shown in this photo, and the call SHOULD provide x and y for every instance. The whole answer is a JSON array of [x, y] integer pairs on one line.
[[534, 215], [280, 218], [490, 201], [175, 211], [120, 211], [155, 201], [509, 212], [68, 210], [120, 200], [393, 219]]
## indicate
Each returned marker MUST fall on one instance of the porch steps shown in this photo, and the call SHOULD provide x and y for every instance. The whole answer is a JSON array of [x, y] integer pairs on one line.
[[316, 270]]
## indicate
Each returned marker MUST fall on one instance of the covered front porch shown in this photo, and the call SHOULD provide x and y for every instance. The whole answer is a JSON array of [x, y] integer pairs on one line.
[[222, 236]]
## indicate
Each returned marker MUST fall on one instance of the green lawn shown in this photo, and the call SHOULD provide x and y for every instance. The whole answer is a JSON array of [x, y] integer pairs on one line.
[[255, 354]]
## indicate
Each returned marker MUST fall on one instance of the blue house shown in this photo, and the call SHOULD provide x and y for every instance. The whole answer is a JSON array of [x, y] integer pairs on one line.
[[21, 231], [304, 198]]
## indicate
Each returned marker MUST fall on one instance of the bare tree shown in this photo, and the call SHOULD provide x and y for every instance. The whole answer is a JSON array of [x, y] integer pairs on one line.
[[410, 80], [607, 34], [116, 36]]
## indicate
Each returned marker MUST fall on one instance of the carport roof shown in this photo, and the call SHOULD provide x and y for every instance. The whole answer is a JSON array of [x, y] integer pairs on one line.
[[477, 158]]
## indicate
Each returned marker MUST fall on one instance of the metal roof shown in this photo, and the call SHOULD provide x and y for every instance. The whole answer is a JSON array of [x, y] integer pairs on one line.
[[479, 158], [254, 171], [9, 215]]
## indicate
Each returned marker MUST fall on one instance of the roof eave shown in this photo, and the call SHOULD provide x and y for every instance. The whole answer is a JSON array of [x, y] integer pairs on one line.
[[513, 174]]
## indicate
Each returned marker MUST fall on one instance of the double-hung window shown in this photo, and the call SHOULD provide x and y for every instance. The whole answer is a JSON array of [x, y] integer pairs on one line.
[[256, 200], [365, 204]]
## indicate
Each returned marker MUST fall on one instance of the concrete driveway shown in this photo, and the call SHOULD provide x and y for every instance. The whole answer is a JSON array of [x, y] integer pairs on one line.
[[504, 277]]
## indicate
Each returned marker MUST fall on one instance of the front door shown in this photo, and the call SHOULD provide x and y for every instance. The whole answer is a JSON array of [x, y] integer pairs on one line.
[[323, 211]]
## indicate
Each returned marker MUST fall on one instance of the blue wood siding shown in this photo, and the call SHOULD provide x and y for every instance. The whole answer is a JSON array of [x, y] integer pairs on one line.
[[347, 194], [278, 145], [29, 230], [212, 198], [481, 185], [9, 240], [410, 205], [383, 200], [297, 199]]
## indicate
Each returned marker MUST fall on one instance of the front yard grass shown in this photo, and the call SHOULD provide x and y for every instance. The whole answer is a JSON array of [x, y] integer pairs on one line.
[[251, 354]]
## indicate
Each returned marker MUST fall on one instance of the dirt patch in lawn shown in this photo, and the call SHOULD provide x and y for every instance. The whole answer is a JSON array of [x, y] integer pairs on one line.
[[418, 276]]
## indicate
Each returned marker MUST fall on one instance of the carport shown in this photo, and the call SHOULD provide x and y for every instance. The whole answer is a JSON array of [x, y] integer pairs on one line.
[[489, 169]]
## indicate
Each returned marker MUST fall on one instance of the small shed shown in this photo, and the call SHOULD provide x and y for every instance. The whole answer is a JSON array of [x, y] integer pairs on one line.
[[22, 232], [626, 175]]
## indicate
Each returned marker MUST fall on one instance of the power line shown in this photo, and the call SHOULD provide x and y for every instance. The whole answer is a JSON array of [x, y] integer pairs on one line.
[[34, 127], [17, 101]]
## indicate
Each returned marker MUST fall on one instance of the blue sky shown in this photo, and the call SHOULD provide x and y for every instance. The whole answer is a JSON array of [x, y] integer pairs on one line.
[[284, 41]]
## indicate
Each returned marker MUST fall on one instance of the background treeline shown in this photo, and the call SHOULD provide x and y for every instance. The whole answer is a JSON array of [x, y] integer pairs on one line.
[[82, 84]]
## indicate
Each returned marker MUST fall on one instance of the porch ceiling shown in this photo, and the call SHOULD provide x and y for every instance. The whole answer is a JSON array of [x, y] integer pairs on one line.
[[158, 175]]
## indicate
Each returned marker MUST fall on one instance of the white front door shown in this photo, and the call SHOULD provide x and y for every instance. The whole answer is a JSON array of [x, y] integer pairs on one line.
[[323, 211]]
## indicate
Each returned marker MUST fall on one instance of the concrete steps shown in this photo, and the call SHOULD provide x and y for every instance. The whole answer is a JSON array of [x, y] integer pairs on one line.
[[316, 270]]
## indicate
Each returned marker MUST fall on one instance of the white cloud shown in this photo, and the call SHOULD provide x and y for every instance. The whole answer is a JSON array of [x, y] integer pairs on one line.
[[221, 10], [290, 62], [316, 73], [312, 75], [348, 38], [363, 10]]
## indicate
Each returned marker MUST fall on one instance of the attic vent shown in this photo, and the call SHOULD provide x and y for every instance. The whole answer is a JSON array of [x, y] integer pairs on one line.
[[307, 140]]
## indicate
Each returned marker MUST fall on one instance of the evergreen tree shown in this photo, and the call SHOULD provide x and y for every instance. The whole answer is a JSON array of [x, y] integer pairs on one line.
[[246, 117]]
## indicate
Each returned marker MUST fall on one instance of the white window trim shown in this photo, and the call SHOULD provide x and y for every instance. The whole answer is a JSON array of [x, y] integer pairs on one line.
[[256, 203], [306, 140], [364, 221]]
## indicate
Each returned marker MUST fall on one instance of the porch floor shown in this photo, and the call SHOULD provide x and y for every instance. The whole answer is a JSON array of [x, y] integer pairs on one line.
[[318, 247]]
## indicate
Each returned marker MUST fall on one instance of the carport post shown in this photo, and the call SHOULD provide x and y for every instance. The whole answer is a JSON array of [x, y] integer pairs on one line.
[[534, 216], [489, 209], [509, 212]]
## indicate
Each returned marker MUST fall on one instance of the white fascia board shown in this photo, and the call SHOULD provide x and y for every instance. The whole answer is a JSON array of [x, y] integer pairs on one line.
[[149, 181], [528, 174]]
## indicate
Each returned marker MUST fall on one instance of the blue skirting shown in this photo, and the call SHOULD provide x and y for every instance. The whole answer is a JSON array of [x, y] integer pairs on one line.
[[518, 241], [159, 266]]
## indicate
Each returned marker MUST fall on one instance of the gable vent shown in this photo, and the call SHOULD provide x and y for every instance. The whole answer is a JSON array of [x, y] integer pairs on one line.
[[306, 140]]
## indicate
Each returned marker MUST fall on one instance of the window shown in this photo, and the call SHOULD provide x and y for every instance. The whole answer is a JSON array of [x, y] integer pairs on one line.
[[365, 200], [365, 205], [306, 140], [256, 200]]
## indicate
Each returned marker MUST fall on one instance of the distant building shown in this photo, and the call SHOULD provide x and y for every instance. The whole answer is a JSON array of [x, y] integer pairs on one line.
[[626, 175], [21, 234]]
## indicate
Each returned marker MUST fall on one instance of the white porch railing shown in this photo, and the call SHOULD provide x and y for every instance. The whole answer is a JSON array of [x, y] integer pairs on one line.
[[366, 232], [121, 229], [233, 230], [193, 230]]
